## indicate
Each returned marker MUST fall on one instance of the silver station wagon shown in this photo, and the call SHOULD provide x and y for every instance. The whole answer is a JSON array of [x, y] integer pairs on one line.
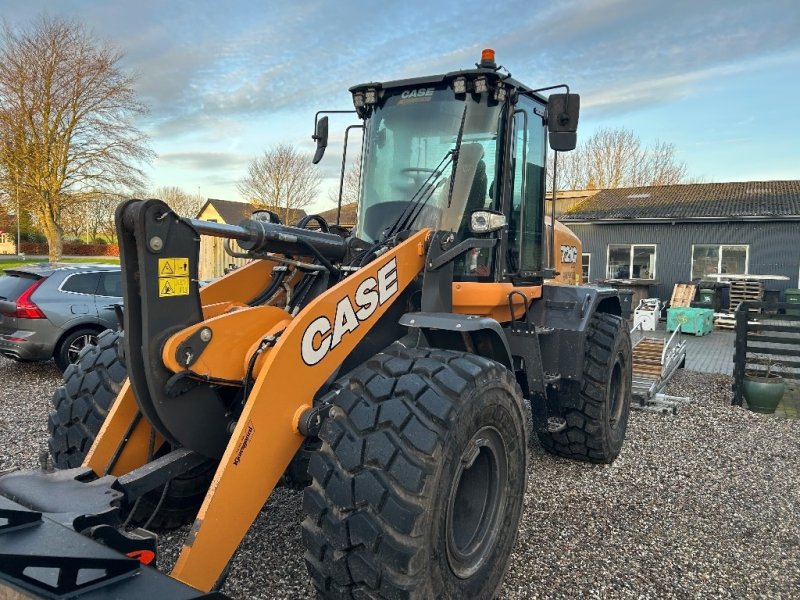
[[54, 310]]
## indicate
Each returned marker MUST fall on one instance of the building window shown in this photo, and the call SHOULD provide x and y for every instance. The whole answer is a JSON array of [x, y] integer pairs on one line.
[[719, 258], [586, 261], [631, 261]]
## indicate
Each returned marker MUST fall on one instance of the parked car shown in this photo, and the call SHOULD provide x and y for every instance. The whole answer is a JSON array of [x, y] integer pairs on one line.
[[54, 310]]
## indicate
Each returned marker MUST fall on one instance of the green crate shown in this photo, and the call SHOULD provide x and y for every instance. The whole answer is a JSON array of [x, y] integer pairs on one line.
[[696, 321], [792, 296]]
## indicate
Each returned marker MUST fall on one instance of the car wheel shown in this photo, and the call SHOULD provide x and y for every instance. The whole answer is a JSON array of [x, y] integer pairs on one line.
[[71, 345]]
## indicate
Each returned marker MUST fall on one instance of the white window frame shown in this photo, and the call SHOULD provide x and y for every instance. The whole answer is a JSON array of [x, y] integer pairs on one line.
[[630, 260], [586, 259], [719, 257]]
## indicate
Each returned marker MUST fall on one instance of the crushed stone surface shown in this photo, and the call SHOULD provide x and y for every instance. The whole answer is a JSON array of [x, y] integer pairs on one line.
[[702, 504]]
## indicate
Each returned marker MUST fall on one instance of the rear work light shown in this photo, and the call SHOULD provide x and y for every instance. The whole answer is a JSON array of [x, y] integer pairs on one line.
[[26, 308]]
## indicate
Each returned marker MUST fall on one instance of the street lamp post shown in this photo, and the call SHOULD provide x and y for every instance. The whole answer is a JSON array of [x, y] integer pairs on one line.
[[19, 237]]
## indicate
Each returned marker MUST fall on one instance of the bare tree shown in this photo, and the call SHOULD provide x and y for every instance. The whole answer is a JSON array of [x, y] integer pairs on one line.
[[186, 205], [612, 158], [74, 220], [351, 185], [92, 217], [66, 121], [281, 179]]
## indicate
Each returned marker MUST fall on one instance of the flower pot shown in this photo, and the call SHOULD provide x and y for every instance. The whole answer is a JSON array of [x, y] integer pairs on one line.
[[763, 394]]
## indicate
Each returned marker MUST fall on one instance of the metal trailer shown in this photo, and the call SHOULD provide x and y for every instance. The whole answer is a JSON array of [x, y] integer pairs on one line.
[[655, 360]]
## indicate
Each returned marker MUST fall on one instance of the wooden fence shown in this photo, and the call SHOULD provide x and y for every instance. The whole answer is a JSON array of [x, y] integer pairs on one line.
[[213, 258], [766, 336]]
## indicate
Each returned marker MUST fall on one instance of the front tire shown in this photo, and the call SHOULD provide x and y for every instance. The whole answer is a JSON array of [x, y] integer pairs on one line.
[[596, 409], [82, 403], [418, 487]]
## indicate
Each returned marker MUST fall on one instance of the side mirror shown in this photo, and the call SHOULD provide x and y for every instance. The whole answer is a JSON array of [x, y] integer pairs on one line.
[[562, 121], [321, 137]]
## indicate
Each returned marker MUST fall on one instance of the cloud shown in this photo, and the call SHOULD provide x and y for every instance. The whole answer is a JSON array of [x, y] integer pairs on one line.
[[665, 88], [239, 75], [202, 161]]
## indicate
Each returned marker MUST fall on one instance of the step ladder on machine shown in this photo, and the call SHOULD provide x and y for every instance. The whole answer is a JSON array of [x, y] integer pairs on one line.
[[655, 360]]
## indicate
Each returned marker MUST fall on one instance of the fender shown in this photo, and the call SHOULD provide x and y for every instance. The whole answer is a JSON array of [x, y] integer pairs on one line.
[[450, 331]]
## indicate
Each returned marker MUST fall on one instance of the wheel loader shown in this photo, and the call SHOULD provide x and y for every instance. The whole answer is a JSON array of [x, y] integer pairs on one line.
[[397, 372]]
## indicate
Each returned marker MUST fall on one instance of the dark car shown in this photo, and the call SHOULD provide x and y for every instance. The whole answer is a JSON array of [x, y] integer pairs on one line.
[[54, 310]]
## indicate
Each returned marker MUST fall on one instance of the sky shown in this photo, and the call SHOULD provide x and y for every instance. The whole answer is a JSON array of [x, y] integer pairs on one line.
[[226, 80]]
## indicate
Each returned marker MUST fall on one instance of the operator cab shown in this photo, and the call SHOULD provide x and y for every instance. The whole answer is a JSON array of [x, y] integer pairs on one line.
[[462, 152]]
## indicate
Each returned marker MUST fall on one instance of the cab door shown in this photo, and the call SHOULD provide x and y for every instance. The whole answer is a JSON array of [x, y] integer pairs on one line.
[[525, 192]]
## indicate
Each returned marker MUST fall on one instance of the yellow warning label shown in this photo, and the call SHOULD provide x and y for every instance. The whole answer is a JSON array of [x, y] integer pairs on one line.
[[173, 277], [169, 267], [173, 286]]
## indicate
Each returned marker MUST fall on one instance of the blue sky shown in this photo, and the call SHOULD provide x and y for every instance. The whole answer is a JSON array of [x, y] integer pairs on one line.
[[227, 79]]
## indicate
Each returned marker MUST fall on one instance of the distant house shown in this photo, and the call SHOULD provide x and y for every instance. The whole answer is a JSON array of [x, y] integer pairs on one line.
[[7, 245], [567, 200], [678, 233], [347, 217], [213, 258]]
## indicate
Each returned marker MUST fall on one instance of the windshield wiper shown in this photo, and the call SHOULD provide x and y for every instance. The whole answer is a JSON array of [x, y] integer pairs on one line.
[[426, 190], [420, 198]]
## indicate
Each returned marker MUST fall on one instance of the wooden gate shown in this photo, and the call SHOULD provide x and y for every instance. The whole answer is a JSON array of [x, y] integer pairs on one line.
[[768, 337]]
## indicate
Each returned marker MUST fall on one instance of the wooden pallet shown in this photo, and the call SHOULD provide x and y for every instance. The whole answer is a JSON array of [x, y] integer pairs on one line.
[[725, 323], [728, 321], [746, 291], [647, 358], [683, 295]]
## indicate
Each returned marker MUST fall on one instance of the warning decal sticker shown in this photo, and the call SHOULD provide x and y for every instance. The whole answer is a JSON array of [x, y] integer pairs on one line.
[[173, 277]]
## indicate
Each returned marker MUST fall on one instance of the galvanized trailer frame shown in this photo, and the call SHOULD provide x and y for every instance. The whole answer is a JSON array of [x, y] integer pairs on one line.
[[651, 373]]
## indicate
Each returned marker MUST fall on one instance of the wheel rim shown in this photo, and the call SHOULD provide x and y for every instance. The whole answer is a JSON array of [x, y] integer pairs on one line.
[[477, 502], [78, 344], [616, 394]]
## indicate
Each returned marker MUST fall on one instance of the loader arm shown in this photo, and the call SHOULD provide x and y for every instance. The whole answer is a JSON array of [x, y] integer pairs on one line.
[[182, 351]]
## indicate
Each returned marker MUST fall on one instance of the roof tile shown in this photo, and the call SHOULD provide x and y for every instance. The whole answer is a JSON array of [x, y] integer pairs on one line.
[[693, 200]]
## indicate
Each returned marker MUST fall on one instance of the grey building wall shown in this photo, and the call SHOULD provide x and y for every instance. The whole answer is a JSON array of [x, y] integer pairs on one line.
[[774, 247]]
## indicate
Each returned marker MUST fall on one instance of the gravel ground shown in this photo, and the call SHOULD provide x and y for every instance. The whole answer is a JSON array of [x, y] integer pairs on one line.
[[705, 504]]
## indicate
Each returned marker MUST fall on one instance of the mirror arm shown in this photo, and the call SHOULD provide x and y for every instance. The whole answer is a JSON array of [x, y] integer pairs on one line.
[[322, 138], [327, 112]]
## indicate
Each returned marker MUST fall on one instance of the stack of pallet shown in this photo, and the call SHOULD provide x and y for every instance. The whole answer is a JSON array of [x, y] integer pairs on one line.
[[745, 290]]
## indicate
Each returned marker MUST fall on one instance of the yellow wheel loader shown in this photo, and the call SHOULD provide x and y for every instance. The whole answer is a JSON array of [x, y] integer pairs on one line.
[[395, 371]]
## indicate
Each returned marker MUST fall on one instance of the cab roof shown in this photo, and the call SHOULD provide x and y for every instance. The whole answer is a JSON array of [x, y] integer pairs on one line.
[[506, 79]]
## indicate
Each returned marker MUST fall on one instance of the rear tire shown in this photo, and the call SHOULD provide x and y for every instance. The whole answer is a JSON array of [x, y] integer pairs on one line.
[[596, 409], [70, 347], [418, 487]]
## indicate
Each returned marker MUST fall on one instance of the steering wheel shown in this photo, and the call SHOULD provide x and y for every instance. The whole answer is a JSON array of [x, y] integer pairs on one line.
[[418, 176]]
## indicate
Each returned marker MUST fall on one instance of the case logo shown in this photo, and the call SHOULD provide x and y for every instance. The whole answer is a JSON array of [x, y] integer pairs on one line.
[[321, 336], [420, 93]]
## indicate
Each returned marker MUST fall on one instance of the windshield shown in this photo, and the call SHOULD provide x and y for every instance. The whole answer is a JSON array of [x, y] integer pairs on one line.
[[408, 137]]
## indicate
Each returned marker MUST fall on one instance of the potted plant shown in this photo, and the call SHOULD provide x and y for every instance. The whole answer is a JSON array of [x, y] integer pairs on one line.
[[763, 390]]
